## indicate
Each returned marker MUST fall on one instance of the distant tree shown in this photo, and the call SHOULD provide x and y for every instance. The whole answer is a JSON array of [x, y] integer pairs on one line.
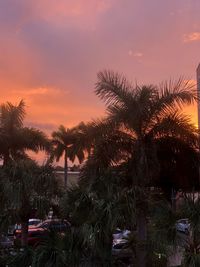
[[15, 139], [71, 143]]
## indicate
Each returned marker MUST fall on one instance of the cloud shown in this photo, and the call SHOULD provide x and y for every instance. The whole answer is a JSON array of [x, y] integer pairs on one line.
[[138, 54], [51, 50], [64, 13], [47, 127], [15, 14], [135, 54], [191, 37], [39, 91]]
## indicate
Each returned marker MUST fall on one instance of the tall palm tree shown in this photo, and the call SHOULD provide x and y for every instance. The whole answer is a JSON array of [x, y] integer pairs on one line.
[[71, 143], [15, 139], [148, 114]]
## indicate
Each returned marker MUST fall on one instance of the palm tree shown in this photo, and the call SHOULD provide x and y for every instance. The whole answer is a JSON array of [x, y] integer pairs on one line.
[[96, 208], [15, 139], [164, 237], [51, 252], [179, 167], [190, 209], [71, 143], [26, 187], [148, 114]]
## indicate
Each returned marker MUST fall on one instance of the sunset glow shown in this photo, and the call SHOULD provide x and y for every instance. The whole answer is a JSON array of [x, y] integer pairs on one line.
[[51, 51]]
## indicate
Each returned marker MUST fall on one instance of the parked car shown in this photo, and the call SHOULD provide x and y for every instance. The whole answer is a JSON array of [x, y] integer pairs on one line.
[[33, 222], [13, 228], [119, 234], [183, 226], [54, 225], [36, 233], [5, 242], [120, 241]]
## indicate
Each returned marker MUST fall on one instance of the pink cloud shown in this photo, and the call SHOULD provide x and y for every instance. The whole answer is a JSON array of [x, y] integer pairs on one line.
[[191, 37], [80, 13]]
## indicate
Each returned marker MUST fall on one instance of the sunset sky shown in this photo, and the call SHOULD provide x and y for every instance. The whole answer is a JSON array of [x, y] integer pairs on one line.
[[51, 51]]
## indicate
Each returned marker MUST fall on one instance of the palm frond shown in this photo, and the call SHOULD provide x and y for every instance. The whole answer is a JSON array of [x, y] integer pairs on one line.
[[113, 88], [178, 125], [12, 116], [180, 92], [33, 139]]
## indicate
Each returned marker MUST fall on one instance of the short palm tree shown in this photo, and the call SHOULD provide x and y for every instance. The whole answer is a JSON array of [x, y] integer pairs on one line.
[[190, 209], [166, 241], [71, 143], [96, 208], [50, 252], [26, 187], [15, 139]]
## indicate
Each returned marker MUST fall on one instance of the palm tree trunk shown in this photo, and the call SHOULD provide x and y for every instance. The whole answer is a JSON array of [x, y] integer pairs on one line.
[[142, 237], [24, 237], [142, 215], [65, 170]]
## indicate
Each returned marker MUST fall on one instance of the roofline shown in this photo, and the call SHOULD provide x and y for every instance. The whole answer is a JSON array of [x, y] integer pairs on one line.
[[70, 172]]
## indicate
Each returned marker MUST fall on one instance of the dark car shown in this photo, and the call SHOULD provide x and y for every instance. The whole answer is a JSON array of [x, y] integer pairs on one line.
[[13, 228], [53, 225], [36, 233]]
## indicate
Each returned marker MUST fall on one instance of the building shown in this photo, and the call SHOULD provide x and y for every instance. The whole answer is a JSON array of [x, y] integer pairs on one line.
[[72, 177], [198, 93]]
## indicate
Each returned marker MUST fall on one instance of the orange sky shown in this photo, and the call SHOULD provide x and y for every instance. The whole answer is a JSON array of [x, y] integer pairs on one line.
[[51, 51]]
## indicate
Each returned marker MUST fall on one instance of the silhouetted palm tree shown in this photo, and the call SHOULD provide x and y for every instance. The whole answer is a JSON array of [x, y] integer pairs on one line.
[[15, 139], [148, 114], [71, 143]]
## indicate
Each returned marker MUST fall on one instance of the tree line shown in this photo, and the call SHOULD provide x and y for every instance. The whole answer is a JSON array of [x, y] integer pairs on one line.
[[134, 161]]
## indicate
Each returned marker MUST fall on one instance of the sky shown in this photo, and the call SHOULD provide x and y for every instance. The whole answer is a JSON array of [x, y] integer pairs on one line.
[[51, 51]]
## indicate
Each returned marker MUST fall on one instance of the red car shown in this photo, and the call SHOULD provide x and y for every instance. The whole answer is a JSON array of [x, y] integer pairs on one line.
[[36, 233]]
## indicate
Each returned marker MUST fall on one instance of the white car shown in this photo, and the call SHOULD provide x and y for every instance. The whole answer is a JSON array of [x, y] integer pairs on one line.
[[183, 226], [119, 247], [120, 234], [33, 222]]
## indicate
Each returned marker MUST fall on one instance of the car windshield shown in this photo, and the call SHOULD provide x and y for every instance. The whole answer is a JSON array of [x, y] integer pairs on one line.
[[35, 222], [42, 225], [183, 221]]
